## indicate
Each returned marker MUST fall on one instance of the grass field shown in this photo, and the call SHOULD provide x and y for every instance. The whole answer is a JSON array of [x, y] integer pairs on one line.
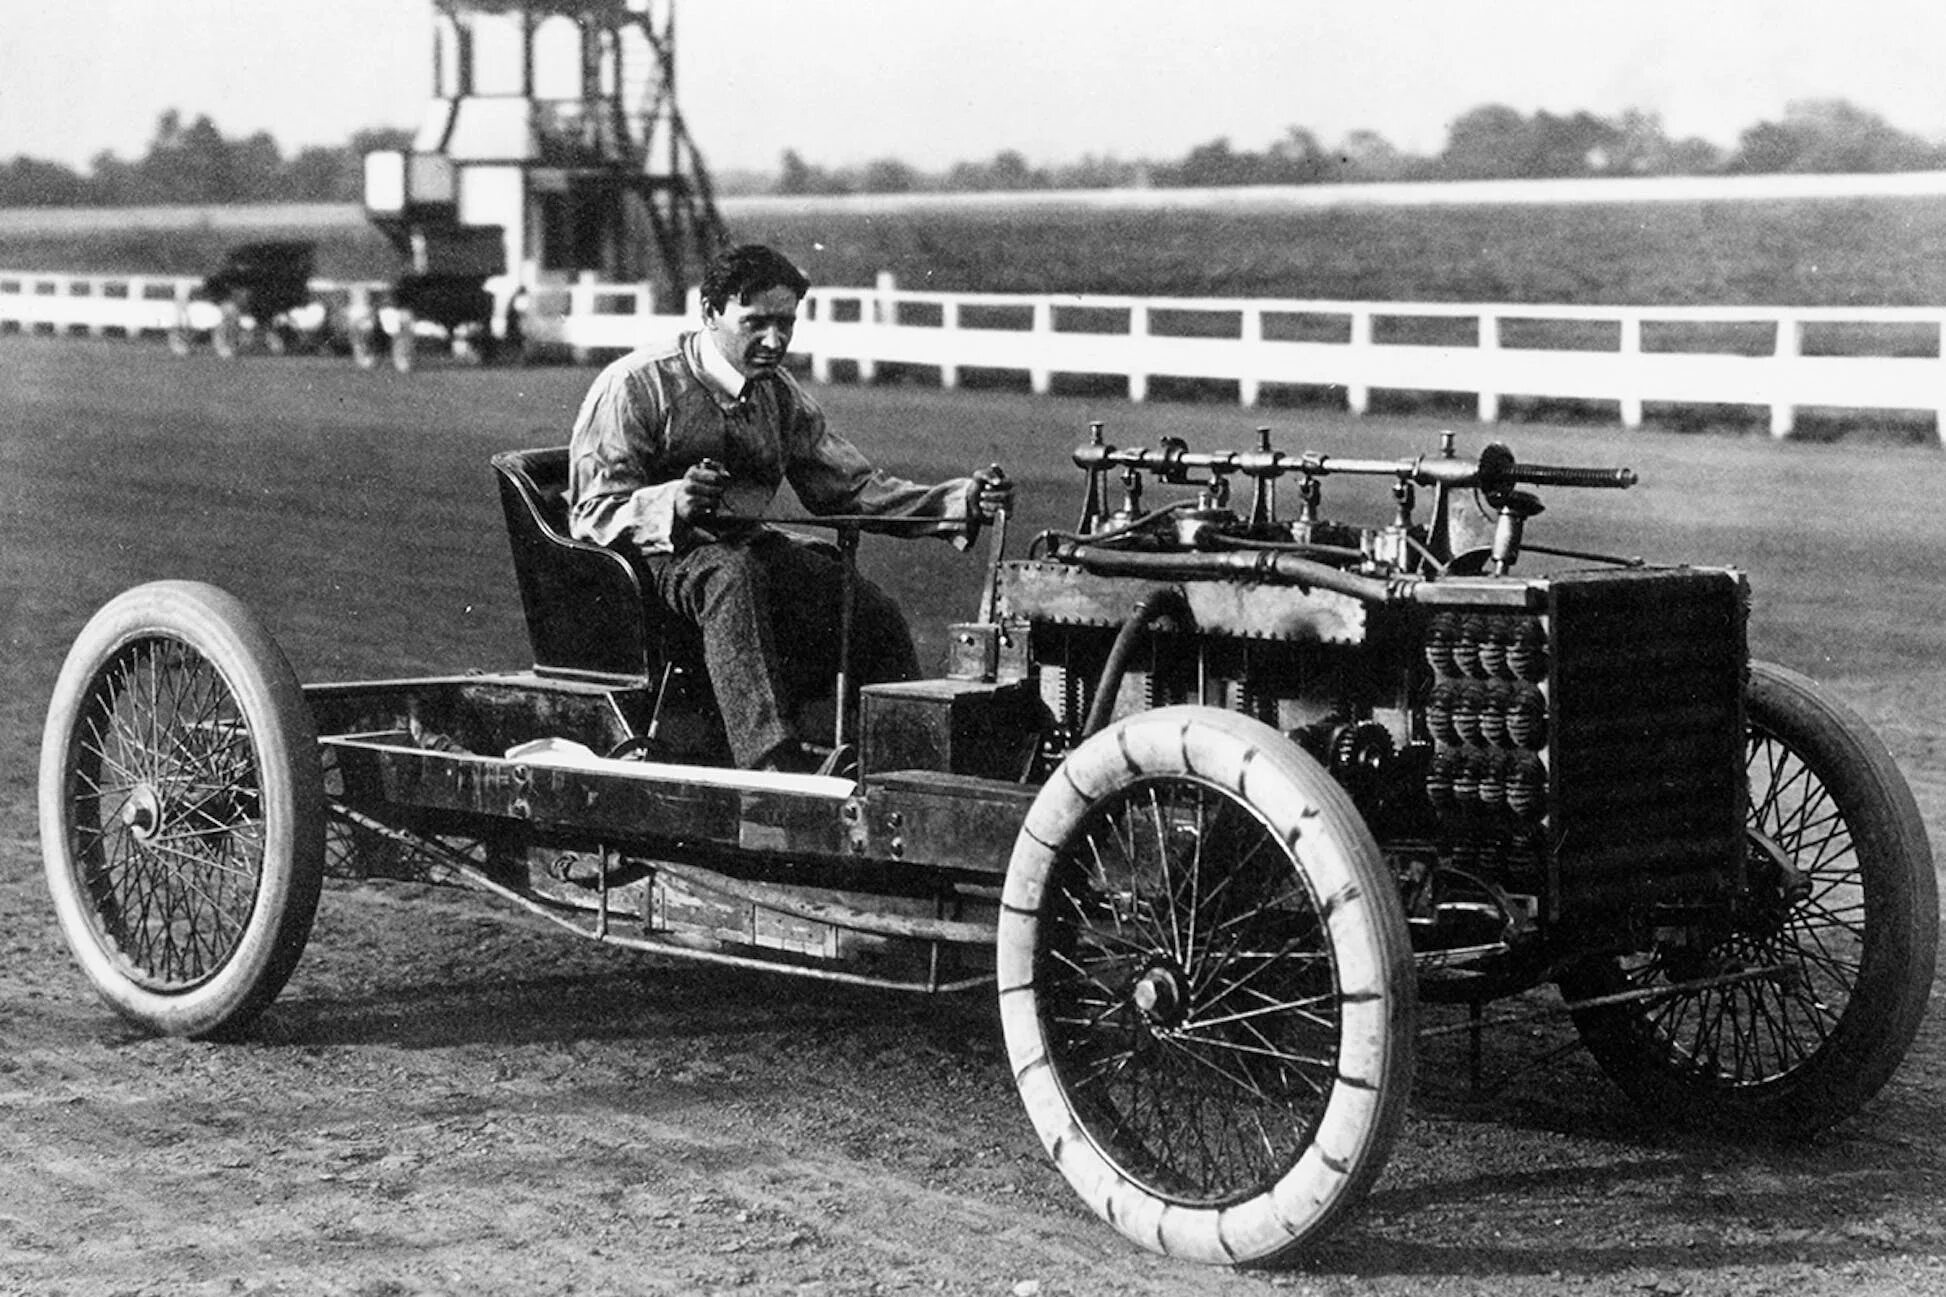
[[1867, 251]]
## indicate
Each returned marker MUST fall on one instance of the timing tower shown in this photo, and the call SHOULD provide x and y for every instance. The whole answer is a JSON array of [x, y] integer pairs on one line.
[[553, 148]]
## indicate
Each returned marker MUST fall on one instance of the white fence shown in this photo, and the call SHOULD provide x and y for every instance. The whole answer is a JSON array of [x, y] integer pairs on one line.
[[1784, 359]]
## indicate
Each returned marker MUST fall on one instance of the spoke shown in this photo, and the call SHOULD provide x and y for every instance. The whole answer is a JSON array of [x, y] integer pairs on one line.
[[1254, 1051], [1241, 1082], [1297, 1007]]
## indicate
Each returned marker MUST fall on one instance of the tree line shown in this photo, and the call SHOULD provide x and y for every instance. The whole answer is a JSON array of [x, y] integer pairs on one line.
[[1491, 142], [195, 163]]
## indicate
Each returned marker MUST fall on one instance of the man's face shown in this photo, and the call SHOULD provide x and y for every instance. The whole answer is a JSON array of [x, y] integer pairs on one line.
[[754, 335]]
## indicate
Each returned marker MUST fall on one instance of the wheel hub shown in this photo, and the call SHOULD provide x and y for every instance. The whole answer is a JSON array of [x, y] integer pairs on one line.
[[1776, 885], [142, 813], [1159, 996]]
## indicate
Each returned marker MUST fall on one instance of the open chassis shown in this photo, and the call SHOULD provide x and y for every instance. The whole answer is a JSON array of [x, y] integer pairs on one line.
[[1215, 799]]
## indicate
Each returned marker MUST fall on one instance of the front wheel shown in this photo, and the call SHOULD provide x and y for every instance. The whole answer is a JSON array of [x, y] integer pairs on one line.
[[1206, 986], [181, 809], [1841, 902]]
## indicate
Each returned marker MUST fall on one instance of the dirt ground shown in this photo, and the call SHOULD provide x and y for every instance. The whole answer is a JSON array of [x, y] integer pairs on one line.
[[450, 1099]]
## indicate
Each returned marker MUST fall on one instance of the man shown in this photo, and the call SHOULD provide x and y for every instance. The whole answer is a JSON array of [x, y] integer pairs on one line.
[[672, 438]]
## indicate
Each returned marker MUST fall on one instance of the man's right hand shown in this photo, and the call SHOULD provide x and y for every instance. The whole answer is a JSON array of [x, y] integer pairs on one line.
[[699, 492]]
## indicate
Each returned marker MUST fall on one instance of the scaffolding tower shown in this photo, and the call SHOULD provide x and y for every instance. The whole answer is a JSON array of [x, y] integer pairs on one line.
[[553, 149]]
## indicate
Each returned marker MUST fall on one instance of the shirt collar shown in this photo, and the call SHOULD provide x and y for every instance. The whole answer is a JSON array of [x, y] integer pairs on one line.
[[717, 373]]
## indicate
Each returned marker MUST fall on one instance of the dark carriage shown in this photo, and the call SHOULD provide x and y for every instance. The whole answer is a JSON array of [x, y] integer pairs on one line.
[[260, 293], [1214, 797], [455, 294]]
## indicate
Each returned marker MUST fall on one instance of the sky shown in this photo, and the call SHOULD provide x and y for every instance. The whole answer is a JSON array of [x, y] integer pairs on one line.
[[933, 82]]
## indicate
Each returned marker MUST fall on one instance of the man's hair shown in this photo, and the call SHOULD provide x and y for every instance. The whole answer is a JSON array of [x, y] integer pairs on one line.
[[749, 269]]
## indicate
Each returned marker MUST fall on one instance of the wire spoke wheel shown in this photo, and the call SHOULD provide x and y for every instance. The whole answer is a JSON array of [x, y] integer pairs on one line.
[[181, 813], [1205, 986], [168, 813], [1194, 1020], [1832, 943]]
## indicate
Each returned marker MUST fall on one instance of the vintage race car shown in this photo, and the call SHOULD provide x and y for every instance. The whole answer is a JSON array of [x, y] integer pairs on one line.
[[1213, 796]]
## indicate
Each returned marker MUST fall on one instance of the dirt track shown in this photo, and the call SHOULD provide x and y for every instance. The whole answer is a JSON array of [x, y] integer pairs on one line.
[[452, 1100]]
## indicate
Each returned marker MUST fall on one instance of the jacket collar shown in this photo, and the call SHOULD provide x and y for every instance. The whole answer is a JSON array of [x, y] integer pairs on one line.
[[717, 374]]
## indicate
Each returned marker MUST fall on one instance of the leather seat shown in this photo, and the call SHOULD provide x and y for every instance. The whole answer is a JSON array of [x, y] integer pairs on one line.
[[583, 602]]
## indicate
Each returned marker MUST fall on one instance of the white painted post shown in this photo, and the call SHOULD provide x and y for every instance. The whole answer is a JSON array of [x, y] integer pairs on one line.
[[1138, 331], [1358, 392], [581, 308], [949, 328], [1489, 342], [97, 308], [1631, 353], [1790, 337], [1039, 377], [818, 307], [1939, 415], [883, 312], [1251, 339]]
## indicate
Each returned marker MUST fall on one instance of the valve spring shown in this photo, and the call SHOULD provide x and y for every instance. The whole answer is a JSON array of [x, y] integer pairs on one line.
[[1526, 717], [1467, 706], [1526, 785], [1440, 632], [1493, 650], [1466, 647], [1440, 776], [1527, 652], [1494, 700], [1491, 776]]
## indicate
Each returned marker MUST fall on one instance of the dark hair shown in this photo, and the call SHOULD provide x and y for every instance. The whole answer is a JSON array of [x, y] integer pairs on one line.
[[748, 269]]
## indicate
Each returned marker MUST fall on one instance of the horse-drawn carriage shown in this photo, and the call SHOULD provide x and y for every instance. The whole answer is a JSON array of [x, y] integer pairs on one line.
[[261, 293], [1213, 797]]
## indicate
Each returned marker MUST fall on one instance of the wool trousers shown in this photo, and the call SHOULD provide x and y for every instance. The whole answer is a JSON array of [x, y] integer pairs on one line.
[[768, 608]]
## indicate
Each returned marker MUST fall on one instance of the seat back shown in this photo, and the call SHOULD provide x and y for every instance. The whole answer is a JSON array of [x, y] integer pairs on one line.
[[584, 606]]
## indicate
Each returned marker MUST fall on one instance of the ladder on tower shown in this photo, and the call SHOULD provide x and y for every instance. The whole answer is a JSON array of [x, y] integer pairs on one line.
[[671, 177]]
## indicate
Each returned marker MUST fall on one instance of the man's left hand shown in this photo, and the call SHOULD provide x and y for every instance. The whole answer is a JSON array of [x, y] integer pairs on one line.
[[993, 491]]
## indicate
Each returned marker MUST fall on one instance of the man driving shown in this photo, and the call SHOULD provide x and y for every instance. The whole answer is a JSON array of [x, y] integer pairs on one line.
[[678, 445]]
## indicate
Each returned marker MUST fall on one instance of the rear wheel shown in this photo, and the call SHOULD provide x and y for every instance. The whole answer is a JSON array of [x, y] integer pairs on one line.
[[227, 336], [181, 337], [1842, 903], [1206, 986], [405, 343], [181, 809]]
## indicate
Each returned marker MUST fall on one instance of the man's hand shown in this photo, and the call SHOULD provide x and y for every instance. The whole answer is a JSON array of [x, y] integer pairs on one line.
[[699, 492], [993, 491]]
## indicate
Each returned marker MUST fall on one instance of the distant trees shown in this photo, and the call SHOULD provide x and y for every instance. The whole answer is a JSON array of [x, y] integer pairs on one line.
[[195, 163], [1831, 135], [1489, 142]]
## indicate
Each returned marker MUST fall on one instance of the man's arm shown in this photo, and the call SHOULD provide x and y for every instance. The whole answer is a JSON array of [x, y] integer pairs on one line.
[[616, 442], [830, 475]]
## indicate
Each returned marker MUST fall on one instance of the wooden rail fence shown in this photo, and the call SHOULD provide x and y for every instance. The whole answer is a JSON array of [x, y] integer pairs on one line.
[[1783, 359]]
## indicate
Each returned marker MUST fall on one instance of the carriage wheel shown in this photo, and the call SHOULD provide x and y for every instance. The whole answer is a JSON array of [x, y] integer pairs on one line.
[[365, 340], [227, 336], [181, 809], [181, 339], [405, 343], [1841, 895], [1206, 986]]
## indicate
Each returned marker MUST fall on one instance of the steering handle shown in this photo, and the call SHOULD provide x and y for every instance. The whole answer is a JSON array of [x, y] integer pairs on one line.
[[1557, 475]]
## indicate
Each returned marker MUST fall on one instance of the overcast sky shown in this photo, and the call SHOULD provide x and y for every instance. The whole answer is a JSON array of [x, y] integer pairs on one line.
[[938, 81]]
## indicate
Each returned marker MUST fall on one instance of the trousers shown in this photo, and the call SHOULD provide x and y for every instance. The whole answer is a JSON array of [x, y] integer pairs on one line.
[[768, 608]]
